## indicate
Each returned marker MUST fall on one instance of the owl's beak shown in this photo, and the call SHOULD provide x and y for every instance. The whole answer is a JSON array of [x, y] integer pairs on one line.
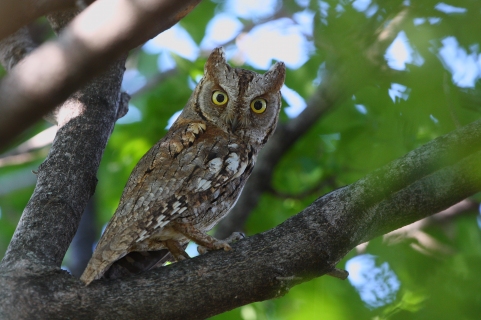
[[234, 123]]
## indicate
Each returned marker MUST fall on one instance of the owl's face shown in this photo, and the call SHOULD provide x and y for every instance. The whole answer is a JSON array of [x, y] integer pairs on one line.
[[241, 102]]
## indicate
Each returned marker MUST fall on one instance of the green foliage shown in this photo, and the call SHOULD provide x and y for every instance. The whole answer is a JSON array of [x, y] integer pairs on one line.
[[370, 123]]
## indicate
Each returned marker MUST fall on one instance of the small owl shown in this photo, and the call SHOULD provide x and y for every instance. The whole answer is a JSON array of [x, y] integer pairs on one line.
[[192, 177]]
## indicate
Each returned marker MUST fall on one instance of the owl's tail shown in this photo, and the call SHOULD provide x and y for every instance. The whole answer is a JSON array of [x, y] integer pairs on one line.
[[101, 260]]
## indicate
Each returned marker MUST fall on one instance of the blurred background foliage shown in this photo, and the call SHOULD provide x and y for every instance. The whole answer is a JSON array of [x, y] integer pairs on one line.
[[398, 73]]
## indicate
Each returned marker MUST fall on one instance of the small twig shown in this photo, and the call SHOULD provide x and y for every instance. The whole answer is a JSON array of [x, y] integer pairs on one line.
[[123, 105], [22, 158], [38, 141], [338, 273], [449, 100]]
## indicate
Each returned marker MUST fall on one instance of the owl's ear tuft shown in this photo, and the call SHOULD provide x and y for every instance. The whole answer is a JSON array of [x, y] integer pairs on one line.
[[275, 76], [216, 63]]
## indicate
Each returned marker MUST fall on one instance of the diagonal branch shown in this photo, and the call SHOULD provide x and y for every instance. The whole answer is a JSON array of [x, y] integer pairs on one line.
[[267, 265], [66, 180], [81, 52]]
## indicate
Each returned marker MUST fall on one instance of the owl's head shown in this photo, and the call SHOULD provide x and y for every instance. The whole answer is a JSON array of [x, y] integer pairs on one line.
[[240, 102]]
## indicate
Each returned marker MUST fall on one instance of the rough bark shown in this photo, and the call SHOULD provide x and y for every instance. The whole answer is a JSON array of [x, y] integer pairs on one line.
[[426, 180]]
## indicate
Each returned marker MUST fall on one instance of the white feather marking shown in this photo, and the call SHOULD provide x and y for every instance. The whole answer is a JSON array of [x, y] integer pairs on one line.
[[160, 218], [161, 224], [142, 236], [174, 211], [203, 185], [215, 165], [241, 169], [157, 225], [232, 162], [176, 204], [232, 145], [164, 223], [206, 185], [163, 210], [182, 209]]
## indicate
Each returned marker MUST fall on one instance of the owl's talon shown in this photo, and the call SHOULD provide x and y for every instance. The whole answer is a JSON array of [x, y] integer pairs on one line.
[[222, 244], [201, 249], [219, 244], [226, 246]]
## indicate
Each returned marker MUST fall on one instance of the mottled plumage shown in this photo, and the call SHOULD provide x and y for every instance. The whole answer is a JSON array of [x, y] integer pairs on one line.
[[191, 178]]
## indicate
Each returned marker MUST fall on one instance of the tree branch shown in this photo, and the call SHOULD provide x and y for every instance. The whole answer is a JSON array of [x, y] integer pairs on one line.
[[82, 51], [264, 266], [65, 180]]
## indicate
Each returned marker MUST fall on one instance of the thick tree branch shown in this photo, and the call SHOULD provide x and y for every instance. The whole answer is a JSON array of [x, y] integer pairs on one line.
[[65, 180], [266, 265], [85, 48]]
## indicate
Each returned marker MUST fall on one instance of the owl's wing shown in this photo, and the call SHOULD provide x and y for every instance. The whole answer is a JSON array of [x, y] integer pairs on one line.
[[172, 177]]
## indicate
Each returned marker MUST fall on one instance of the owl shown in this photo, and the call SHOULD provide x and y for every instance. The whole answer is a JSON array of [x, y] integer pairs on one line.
[[192, 177]]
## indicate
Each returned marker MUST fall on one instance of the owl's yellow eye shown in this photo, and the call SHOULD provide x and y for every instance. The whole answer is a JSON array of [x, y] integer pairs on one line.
[[259, 105], [219, 98]]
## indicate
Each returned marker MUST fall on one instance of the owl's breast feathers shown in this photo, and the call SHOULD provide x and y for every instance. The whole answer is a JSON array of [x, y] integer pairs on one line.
[[194, 175]]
